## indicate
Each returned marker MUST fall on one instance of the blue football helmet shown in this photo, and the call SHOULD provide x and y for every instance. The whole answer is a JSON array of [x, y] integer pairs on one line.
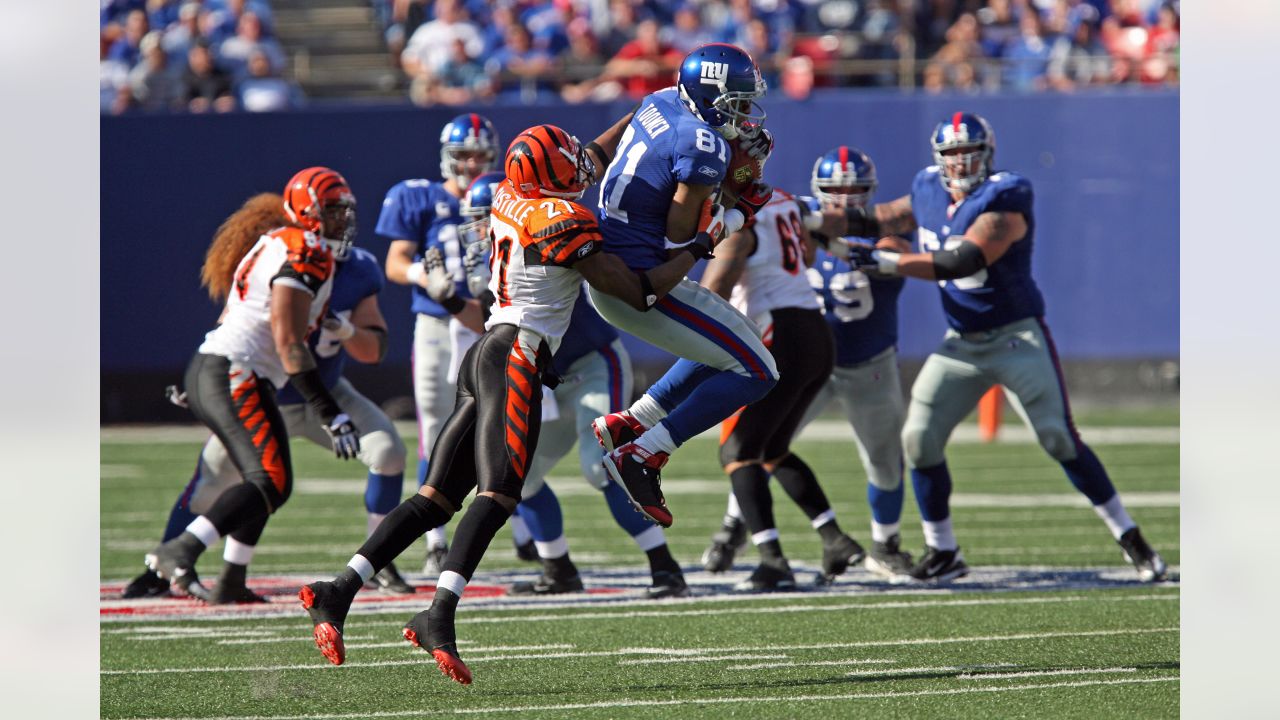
[[843, 177], [475, 207], [720, 83], [969, 168], [470, 132]]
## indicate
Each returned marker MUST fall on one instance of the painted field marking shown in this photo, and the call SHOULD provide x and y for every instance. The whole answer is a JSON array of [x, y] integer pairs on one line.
[[688, 701], [815, 663], [695, 659], [890, 672], [1044, 673], [427, 659]]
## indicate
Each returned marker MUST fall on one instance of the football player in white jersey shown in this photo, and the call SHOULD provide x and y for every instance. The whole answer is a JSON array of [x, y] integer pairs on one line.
[[278, 296], [544, 246], [761, 270]]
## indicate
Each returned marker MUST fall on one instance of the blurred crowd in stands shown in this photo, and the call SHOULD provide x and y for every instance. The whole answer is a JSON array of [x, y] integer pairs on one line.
[[219, 54], [460, 51], [210, 56]]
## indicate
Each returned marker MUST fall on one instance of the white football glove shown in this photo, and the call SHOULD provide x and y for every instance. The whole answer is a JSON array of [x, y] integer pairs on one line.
[[439, 282]]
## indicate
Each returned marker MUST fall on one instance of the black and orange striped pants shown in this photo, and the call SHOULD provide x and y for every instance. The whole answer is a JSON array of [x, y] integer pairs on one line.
[[489, 439], [240, 408]]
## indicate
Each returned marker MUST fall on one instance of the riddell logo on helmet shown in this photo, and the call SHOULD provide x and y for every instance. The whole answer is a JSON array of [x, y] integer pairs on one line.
[[714, 73]]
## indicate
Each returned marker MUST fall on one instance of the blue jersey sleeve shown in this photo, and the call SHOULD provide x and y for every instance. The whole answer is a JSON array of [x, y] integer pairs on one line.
[[406, 212], [1013, 194], [923, 181], [701, 156]]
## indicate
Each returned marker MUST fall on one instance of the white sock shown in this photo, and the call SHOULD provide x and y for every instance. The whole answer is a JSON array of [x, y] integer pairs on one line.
[[882, 533], [1115, 516], [520, 530], [656, 439], [374, 521], [734, 512], [764, 536], [204, 530], [436, 538], [824, 517], [938, 535], [552, 549], [362, 566], [452, 581], [647, 411], [650, 539], [237, 552]]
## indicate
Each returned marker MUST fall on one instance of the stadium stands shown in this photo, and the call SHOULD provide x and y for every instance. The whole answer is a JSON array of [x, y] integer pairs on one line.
[[594, 50]]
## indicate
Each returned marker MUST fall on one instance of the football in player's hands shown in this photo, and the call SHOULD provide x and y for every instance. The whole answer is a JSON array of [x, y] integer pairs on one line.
[[746, 165]]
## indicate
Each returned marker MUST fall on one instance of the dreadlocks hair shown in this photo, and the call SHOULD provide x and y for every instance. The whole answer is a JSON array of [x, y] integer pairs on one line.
[[260, 214]]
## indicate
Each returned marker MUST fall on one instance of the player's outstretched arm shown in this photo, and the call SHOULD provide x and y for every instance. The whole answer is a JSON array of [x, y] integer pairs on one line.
[[401, 268], [986, 241], [730, 261], [367, 341], [610, 275], [892, 218], [603, 148]]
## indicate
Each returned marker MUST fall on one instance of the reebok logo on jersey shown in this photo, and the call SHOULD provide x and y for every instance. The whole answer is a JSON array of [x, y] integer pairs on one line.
[[442, 210], [714, 73], [709, 171]]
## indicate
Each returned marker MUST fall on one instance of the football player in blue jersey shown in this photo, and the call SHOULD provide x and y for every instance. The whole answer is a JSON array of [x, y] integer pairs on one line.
[[418, 214], [594, 369], [353, 326], [862, 312], [976, 230], [659, 194]]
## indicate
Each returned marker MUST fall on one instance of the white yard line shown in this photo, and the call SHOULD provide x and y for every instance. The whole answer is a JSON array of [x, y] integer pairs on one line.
[[772, 661], [820, 430], [1044, 673], [749, 699], [685, 652]]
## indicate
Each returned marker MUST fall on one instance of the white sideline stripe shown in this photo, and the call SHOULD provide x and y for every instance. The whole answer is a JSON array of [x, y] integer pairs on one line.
[[1043, 673], [892, 605], [698, 701], [470, 650], [1002, 500], [811, 663], [427, 659], [910, 670], [966, 433], [692, 659], [660, 661]]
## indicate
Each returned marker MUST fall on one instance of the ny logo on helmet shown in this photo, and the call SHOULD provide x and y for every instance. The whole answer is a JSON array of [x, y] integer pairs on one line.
[[714, 73], [955, 132]]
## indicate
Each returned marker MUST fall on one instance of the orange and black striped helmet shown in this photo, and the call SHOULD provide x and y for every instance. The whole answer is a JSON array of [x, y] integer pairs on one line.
[[547, 161], [319, 200]]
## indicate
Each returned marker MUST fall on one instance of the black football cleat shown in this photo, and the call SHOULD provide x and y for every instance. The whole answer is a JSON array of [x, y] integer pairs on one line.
[[225, 593], [838, 555], [389, 580], [1150, 566], [527, 552], [176, 561], [725, 544], [548, 584], [616, 429], [327, 606], [433, 631], [940, 566], [639, 472], [148, 584], [667, 585], [768, 578], [887, 559]]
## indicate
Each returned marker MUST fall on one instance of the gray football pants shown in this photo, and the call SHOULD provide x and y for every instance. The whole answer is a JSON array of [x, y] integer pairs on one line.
[[1020, 356]]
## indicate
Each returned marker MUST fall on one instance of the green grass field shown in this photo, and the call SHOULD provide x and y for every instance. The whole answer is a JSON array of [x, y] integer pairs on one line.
[[1052, 623]]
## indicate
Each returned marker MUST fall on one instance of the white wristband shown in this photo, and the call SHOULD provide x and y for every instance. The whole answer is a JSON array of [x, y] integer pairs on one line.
[[813, 220], [733, 221], [415, 272], [888, 261]]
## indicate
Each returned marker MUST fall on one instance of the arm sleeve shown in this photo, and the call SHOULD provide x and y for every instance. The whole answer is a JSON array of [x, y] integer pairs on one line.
[[695, 165]]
